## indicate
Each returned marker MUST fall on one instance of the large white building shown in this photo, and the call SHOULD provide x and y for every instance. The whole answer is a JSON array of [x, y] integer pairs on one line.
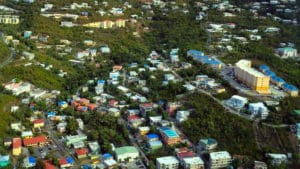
[[168, 162], [126, 153], [219, 159], [287, 52], [236, 102], [193, 163], [258, 109]]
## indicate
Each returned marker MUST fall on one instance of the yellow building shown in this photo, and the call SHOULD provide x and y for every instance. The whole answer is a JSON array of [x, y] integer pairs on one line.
[[251, 77], [106, 24], [17, 146], [9, 19], [93, 25], [120, 23]]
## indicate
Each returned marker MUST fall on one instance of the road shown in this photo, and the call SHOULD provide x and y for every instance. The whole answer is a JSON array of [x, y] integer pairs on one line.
[[9, 59]]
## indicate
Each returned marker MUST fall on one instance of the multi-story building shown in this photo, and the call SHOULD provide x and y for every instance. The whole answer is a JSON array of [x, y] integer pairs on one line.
[[168, 162], [220, 159], [126, 153], [17, 146], [207, 144], [193, 163], [9, 19], [251, 77], [169, 136]]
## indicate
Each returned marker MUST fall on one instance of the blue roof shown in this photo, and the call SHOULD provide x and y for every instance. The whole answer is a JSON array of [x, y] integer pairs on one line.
[[31, 159], [200, 58], [169, 132], [152, 136], [101, 81], [70, 160], [60, 103], [270, 73], [107, 155], [211, 62], [195, 52], [290, 87], [264, 67], [277, 79], [155, 143]]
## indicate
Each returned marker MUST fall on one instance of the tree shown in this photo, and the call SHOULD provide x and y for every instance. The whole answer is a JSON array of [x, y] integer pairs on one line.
[[40, 164], [72, 125]]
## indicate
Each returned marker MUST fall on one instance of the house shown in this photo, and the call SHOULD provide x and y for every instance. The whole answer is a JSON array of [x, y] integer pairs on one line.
[[81, 153], [258, 109], [7, 142], [61, 127], [174, 56], [237, 102], [82, 54], [182, 116], [26, 134], [126, 153], [80, 123], [9, 19], [172, 107], [105, 50], [16, 126], [70, 140], [146, 107], [143, 130], [38, 123], [220, 159], [4, 161], [290, 89], [114, 112], [260, 165], [167, 162], [207, 144], [28, 55], [35, 141], [193, 163], [62, 104], [94, 147], [29, 162], [169, 136], [287, 52], [120, 23], [277, 159], [48, 164], [16, 146], [66, 162]]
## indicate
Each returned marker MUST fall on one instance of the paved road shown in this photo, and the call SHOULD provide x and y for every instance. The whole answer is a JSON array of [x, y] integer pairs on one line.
[[9, 59]]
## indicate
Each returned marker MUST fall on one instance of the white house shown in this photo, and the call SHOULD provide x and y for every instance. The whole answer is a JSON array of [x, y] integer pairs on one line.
[[258, 109], [168, 162], [126, 153]]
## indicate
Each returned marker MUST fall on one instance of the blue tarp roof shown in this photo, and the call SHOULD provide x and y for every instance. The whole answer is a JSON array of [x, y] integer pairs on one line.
[[31, 159], [70, 160], [270, 73], [277, 79], [107, 155], [152, 136], [290, 87], [264, 67]]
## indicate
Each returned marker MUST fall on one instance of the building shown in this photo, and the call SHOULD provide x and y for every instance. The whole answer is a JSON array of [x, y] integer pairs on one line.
[[16, 146], [81, 153], [66, 162], [9, 19], [126, 153], [75, 139], [29, 162], [120, 23], [277, 159], [38, 123], [35, 141], [94, 147], [236, 102], [258, 110], [260, 165], [287, 52], [199, 56], [174, 56], [143, 130], [290, 89], [298, 131], [207, 144], [169, 136], [251, 77], [182, 116], [153, 145], [4, 161], [220, 159], [7, 142], [193, 163], [168, 162]]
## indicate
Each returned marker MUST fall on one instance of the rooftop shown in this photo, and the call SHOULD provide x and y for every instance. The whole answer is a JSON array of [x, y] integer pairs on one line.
[[169, 132], [246, 66], [167, 160], [193, 160], [219, 155], [126, 149]]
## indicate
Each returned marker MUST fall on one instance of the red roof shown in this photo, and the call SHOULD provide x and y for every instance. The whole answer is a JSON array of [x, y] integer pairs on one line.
[[35, 140], [49, 165], [37, 121], [147, 105], [81, 151], [113, 102], [133, 117], [63, 161], [17, 142], [186, 154]]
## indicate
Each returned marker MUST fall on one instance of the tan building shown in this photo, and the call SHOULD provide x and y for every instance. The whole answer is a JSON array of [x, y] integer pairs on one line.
[[120, 23], [9, 19], [106, 24], [251, 77]]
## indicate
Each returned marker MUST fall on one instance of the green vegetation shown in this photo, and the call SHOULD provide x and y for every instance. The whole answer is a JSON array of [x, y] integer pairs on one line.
[[6, 101], [4, 52], [233, 133]]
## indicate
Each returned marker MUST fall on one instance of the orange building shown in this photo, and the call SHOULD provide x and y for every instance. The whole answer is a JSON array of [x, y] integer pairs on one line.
[[35, 141], [17, 146], [170, 136]]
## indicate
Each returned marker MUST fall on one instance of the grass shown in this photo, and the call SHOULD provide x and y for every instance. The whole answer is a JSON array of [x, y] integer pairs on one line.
[[4, 52], [6, 101]]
